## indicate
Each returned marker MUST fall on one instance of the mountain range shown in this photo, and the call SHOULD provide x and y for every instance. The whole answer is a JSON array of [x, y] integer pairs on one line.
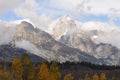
[[64, 41]]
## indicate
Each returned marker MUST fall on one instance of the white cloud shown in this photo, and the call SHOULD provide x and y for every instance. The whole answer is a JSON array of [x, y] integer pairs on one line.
[[75, 8], [103, 6], [30, 10], [6, 5], [83, 7], [114, 13], [27, 46], [6, 32]]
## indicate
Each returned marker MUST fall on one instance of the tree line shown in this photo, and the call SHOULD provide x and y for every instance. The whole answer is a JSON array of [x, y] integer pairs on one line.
[[23, 69]]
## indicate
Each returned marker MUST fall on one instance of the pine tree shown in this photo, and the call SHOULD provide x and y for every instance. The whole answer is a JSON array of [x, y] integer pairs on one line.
[[17, 69], [43, 73], [54, 71], [102, 76], [69, 76], [95, 77]]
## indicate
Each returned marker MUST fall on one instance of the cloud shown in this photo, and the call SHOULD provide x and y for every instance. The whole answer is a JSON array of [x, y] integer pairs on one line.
[[30, 10], [6, 32], [84, 7], [76, 8], [6, 5], [114, 13], [27, 46], [41, 12]]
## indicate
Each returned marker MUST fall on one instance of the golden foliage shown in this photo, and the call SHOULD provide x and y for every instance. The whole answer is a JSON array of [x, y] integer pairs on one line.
[[17, 68], [43, 73], [1, 74], [87, 77], [96, 77], [27, 67], [54, 71], [102, 76], [6, 75], [69, 76]]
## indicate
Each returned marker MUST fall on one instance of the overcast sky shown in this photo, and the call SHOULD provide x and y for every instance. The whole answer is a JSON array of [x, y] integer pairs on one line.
[[47, 10]]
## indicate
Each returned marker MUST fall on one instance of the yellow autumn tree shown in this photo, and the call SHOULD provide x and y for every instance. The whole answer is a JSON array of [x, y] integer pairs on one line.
[[95, 77], [6, 76], [17, 69], [27, 67], [102, 76], [1, 74], [54, 71], [69, 76], [87, 77], [43, 73]]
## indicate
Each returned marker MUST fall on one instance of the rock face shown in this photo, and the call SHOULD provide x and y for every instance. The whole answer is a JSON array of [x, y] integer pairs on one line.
[[108, 53], [78, 40], [47, 47]]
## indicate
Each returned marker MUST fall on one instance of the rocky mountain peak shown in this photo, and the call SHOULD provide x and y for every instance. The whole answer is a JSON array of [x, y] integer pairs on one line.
[[61, 26], [25, 25]]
